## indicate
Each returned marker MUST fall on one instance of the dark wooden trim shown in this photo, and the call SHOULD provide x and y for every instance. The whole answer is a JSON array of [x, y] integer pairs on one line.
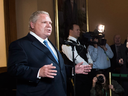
[[3, 69], [10, 22]]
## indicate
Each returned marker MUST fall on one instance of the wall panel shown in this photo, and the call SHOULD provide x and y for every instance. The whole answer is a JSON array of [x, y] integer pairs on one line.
[[113, 14], [2, 36]]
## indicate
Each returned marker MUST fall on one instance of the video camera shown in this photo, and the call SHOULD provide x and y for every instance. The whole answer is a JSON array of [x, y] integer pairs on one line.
[[100, 36], [89, 37]]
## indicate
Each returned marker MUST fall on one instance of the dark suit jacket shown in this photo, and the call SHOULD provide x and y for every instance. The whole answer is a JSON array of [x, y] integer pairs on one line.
[[26, 56], [114, 63], [123, 54]]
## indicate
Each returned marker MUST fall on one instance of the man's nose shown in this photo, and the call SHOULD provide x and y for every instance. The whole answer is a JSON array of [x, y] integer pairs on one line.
[[48, 25]]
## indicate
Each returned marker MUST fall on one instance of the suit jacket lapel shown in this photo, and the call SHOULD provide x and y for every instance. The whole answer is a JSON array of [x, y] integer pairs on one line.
[[41, 47]]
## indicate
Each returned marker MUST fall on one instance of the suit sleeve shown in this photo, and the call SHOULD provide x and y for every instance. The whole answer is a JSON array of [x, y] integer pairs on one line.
[[117, 86], [18, 64]]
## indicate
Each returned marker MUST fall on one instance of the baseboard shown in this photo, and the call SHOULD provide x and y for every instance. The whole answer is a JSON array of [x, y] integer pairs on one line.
[[3, 69]]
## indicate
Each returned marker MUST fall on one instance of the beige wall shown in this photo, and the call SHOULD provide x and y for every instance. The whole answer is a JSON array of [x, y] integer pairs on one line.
[[113, 14], [2, 37], [23, 11], [48, 5], [25, 8]]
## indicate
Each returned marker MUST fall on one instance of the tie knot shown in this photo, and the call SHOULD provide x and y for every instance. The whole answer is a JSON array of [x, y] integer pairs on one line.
[[45, 42]]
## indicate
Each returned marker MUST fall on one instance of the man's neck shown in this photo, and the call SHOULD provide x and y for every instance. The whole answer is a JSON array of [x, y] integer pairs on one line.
[[73, 36]]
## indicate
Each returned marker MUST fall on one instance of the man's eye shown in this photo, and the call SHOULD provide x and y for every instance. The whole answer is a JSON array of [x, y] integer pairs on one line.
[[50, 23], [43, 22]]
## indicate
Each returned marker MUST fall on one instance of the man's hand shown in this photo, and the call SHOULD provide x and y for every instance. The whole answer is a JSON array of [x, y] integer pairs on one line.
[[121, 61], [111, 87], [94, 81], [48, 71], [82, 69], [103, 47], [91, 65]]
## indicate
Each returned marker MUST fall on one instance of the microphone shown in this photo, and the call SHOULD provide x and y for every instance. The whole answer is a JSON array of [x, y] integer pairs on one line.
[[69, 43]]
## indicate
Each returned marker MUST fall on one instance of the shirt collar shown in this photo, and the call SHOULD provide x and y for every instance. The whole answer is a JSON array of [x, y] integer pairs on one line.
[[37, 37], [72, 38]]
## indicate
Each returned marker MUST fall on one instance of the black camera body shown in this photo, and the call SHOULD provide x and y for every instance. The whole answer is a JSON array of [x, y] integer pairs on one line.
[[102, 41], [92, 35], [100, 79], [100, 36]]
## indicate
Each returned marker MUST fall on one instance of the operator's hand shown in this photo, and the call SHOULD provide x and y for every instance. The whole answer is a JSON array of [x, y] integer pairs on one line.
[[103, 47], [111, 87], [94, 81], [48, 71]]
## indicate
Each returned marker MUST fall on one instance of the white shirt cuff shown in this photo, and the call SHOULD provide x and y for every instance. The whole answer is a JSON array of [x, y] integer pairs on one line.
[[38, 74]]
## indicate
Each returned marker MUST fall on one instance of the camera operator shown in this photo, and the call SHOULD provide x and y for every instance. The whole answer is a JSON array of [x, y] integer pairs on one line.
[[100, 86], [100, 53]]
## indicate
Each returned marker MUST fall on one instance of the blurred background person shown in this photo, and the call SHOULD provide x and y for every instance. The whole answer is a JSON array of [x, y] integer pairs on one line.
[[124, 62], [100, 86], [115, 66], [80, 55]]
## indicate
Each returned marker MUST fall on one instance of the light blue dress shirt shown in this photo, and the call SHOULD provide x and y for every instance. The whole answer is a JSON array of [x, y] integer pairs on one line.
[[101, 58]]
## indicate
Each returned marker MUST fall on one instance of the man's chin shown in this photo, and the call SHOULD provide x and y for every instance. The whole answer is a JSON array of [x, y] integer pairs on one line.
[[48, 34]]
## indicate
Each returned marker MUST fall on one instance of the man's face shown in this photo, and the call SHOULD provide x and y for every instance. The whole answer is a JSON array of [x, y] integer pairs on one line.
[[95, 39], [76, 31], [117, 39], [42, 27]]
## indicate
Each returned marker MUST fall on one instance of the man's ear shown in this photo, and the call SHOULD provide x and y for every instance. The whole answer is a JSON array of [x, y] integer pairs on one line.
[[32, 25], [70, 32]]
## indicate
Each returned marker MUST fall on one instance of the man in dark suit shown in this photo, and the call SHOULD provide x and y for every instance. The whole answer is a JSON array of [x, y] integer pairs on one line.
[[36, 62], [124, 69], [115, 66]]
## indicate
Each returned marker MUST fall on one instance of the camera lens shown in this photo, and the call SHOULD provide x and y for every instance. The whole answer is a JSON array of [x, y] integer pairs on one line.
[[100, 79]]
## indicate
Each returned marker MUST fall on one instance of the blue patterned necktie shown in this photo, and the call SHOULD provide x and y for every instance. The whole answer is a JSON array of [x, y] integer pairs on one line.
[[46, 43]]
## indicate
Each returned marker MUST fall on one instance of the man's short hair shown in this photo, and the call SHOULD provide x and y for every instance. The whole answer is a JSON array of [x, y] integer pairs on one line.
[[33, 18], [71, 26]]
